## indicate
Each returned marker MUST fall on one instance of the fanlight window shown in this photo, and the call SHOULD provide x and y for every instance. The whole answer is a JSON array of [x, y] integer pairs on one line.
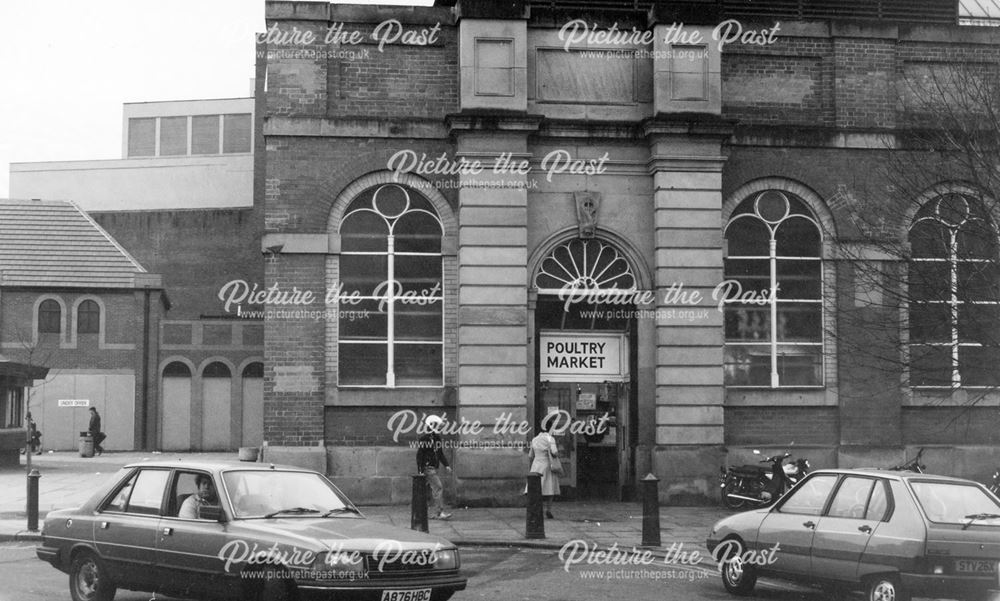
[[584, 265], [954, 295], [774, 316], [392, 334]]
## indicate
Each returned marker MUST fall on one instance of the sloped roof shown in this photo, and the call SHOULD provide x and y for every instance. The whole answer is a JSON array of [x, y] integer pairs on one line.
[[46, 243]]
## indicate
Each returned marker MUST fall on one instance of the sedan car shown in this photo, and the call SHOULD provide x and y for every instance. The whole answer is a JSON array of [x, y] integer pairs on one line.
[[244, 531], [892, 534]]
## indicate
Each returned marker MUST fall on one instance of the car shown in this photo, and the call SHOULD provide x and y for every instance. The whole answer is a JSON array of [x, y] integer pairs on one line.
[[891, 534], [237, 530]]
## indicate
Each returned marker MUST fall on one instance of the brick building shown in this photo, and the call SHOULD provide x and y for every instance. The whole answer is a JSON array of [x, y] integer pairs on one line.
[[658, 162]]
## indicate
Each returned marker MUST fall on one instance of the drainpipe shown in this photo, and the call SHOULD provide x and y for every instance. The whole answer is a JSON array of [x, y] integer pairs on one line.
[[144, 405]]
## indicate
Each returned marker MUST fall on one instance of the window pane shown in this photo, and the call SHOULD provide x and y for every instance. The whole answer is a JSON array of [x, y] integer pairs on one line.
[[205, 134], [748, 237], [147, 494], [236, 133], [747, 365], [88, 318], [173, 136], [364, 274], [364, 231], [753, 275], [929, 280], [141, 137], [979, 365], [797, 237], [362, 364], [979, 324], [419, 276], [418, 322], [800, 365], [979, 281], [747, 322], [417, 232], [930, 365], [929, 239], [798, 279], [418, 365], [878, 504], [930, 322], [800, 322], [810, 498], [49, 317], [977, 240], [851, 498], [121, 497], [363, 321]]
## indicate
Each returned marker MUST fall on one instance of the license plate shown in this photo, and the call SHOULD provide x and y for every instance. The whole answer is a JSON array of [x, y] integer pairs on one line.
[[975, 566], [418, 594]]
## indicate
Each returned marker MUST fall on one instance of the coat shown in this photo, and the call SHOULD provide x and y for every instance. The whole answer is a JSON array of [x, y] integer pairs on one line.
[[543, 447]]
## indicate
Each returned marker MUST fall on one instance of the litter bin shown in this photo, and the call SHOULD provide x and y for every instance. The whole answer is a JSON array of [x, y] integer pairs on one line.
[[86, 444]]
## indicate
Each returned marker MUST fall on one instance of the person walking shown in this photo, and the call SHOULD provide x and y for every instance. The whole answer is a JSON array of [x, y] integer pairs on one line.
[[543, 451], [430, 457], [95, 430]]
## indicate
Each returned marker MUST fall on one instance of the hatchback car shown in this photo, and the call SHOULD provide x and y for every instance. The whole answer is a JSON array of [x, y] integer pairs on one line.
[[240, 531], [892, 534]]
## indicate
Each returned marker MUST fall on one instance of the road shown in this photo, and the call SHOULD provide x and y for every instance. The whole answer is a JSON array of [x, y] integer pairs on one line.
[[495, 574]]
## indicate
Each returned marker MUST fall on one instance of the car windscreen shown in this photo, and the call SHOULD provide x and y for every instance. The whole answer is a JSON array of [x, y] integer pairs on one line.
[[259, 493], [956, 503]]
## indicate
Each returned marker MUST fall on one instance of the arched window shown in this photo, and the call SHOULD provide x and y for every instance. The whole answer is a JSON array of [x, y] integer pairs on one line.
[[49, 317], [773, 310], [391, 319], [88, 318], [953, 295]]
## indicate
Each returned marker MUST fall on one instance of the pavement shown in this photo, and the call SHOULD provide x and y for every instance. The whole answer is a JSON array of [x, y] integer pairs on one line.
[[67, 480]]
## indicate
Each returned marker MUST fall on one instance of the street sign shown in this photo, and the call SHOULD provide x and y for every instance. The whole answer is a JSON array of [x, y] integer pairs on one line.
[[74, 402]]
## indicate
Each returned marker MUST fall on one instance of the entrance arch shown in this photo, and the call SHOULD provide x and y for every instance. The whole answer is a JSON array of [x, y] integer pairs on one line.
[[582, 301]]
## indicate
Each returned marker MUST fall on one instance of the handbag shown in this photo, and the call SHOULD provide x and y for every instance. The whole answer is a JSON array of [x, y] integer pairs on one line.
[[555, 465]]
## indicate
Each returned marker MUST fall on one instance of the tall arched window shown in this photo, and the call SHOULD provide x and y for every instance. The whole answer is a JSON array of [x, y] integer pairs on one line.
[[88, 318], [773, 310], [391, 321], [49, 317], [954, 295]]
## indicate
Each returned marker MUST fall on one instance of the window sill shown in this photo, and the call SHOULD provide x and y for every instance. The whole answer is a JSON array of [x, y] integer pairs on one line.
[[380, 396]]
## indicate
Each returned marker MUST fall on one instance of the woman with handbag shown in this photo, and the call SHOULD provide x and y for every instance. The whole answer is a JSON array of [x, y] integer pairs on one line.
[[544, 456]]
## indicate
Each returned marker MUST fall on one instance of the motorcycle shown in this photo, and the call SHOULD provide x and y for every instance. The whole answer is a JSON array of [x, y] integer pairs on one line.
[[759, 486], [913, 465]]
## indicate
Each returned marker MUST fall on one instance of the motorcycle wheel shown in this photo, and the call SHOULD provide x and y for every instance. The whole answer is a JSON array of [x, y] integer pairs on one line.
[[732, 486]]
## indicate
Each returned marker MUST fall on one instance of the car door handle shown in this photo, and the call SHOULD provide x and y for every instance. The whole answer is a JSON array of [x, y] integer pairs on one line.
[[809, 524], [168, 531], [104, 525], [865, 528]]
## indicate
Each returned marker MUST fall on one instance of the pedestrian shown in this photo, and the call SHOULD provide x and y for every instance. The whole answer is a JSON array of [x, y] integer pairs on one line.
[[543, 454], [430, 457], [34, 437], [95, 430]]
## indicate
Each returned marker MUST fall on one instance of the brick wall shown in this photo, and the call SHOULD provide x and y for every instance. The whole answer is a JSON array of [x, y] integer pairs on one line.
[[781, 425]]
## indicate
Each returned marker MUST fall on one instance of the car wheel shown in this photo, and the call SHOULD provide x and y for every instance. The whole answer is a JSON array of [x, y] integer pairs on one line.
[[89, 580], [738, 576], [732, 487], [885, 588]]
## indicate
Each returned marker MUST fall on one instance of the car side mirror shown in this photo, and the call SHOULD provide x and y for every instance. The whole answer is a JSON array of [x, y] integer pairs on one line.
[[211, 512]]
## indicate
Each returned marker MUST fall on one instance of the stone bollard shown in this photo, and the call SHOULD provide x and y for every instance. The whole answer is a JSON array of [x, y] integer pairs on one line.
[[650, 511], [534, 520], [33, 477], [418, 505]]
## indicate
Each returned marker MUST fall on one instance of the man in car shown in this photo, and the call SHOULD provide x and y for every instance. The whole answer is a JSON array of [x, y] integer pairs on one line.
[[204, 496]]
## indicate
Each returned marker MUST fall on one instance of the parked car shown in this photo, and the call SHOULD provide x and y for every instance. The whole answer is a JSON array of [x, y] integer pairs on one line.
[[244, 531], [891, 534]]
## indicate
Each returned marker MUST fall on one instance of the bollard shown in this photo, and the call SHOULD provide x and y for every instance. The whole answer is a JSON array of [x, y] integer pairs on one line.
[[418, 505], [650, 511], [33, 477], [534, 521]]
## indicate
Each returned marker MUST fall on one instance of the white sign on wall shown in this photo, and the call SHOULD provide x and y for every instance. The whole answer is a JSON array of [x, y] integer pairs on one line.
[[74, 402], [582, 356]]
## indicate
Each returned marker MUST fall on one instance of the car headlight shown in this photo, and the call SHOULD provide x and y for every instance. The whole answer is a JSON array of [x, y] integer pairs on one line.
[[446, 559]]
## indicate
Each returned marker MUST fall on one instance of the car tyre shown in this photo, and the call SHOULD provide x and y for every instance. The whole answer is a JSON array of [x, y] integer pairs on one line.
[[89, 579], [731, 487], [738, 576], [885, 588]]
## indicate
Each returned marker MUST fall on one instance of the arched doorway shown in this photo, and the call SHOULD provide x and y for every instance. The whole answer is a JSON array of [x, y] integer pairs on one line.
[[216, 395], [176, 431], [585, 321], [253, 404]]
